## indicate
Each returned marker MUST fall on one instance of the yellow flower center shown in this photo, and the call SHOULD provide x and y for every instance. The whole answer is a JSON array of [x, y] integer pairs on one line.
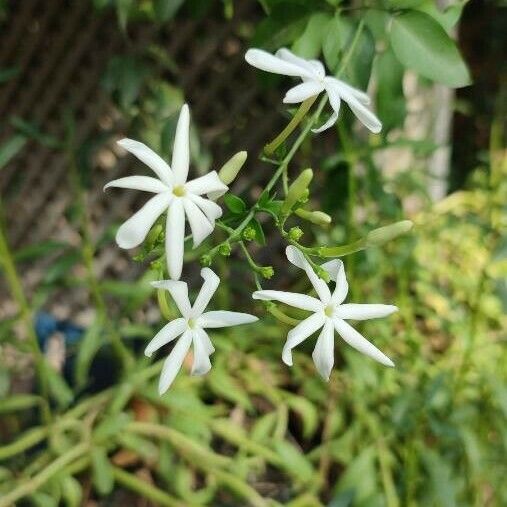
[[329, 310], [191, 323], [179, 191]]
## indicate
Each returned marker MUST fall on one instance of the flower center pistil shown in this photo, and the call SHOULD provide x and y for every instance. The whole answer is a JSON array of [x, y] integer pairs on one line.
[[329, 310], [192, 323], [179, 191]]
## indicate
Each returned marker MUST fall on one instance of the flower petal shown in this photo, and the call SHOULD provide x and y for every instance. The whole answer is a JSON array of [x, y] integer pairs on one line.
[[201, 364], [181, 147], [179, 293], [222, 318], [300, 333], [342, 286], [302, 92], [175, 238], [207, 206], [208, 183], [364, 115], [298, 259], [150, 158], [301, 301], [359, 342], [362, 97], [364, 312], [334, 101], [132, 232], [208, 346], [209, 286], [323, 353], [168, 333], [199, 224], [266, 61], [146, 183], [172, 364]]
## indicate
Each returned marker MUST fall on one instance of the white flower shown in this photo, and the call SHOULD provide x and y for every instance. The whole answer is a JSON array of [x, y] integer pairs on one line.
[[328, 313], [172, 193], [315, 81], [191, 327]]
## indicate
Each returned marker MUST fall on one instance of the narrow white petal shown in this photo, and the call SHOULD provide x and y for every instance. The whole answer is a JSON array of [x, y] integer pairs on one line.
[[179, 293], [181, 147], [364, 312], [360, 343], [146, 183], [199, 224], [265, 61], [358, 94], [207, 206], [302, 92], [175, 238], [298, 259], [132, 232], [342, 286], [364, 115], [323, 353], [222, 318], [300, 333], [314, 67], [208, 346], [172, 364], [209, 286], [201, 364], [168, 333], [146, 155], [334, 101], [208, 183], [301, 301]]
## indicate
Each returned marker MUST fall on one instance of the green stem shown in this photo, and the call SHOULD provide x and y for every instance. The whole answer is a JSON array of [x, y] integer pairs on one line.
[[146, 489], [18, 294], [305, 106], [37, 481]]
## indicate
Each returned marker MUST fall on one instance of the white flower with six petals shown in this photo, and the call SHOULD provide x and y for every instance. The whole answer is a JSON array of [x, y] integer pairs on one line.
[[191, 327], [315, 81], [328, 313], [174, 194]]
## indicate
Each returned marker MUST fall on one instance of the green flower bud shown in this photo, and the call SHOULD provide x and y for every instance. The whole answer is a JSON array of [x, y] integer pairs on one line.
[[205, 260], [231, 168], [249, 233], [153, 235], [224, 249], [267, 272], [315, 217], [295, 233], [297, 190], [387, 233]]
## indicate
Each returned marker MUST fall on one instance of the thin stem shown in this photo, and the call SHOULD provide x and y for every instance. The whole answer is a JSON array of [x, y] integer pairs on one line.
[[305, 106], [18, 294]]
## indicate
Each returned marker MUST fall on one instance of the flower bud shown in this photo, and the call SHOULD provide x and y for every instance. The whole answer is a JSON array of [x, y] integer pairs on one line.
[[267, 272], [315, 217], [249, 233], [387, 233], [224, 249], [297, 190], [153, 235], [295, 233], [231, 168]]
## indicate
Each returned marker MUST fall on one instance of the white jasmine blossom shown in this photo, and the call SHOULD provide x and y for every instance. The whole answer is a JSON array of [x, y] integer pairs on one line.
[[174, 194], [328, 313], [190, 327], [315, 81]]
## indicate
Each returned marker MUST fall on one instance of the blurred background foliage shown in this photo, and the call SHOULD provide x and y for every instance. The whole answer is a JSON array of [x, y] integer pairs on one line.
[[431, 432]]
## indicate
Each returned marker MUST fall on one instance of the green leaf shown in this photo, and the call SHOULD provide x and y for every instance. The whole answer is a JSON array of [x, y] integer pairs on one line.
[[123, 8], [235, 204], [390, 97], [61, 266], [112, 425], [8, 73], [88, 347], [19, 402], [225, 386], [10, 149], [58, 388], [166, 9], [72, 493], [33, 131], [421, 44], [310, 42], [259, 232], [102, 471], [295, 462], [337, 32], [38, 250], [307, 411]]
